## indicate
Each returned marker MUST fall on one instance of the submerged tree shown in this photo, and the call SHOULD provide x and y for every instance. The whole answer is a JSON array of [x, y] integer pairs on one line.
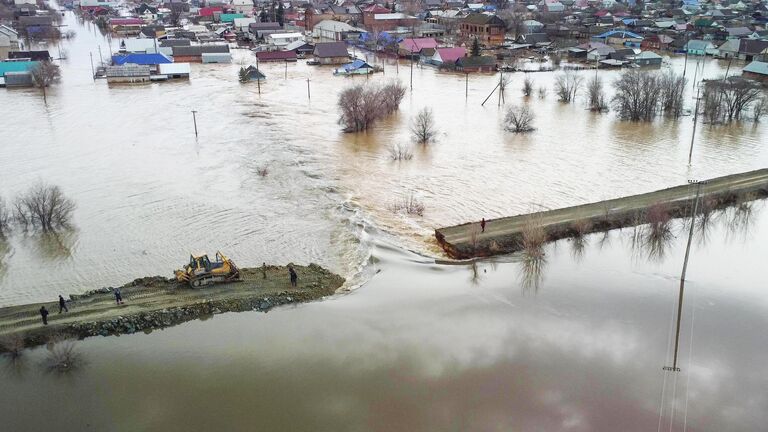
[[567, 85], [672, 87], [5, 218], [362, 105], [242, 75], [280, 13], [596, 95], [44, 207], [423, 127], [475, 51], [45, 74], [519, 119], [727, 100], [636, 96], [527, 86]]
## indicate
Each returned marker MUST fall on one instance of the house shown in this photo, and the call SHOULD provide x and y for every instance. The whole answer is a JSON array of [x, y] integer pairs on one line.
[[620, 37], [738, 32], [259, 30], [9, 41], [226, 18], [166, 45], [657, 42], [621, 54], [194, 53], [447, 56], [370, 12], [279, 41], [300, 47], [476, 64], [751, 48], [152, 60], [534, 39], [36, 26], [276, 56], [331, 31], [136, 45], [700, 47], [244, 7], [729, 49], [755, 70], [130, 73], [174, 70], [646, 58], [391, 21], [554, 7], [126, 26], [216, 57], [331, 53], [357, 67], [252, 73], [16, 69], [488, 29], [532, 26], [411, 46], [30, 55], [152, 31], [241, 24]]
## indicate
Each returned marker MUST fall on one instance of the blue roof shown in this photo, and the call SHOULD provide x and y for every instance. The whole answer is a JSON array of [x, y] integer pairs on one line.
[[141, 59], [357, 64], [16, 66], [621, 33]]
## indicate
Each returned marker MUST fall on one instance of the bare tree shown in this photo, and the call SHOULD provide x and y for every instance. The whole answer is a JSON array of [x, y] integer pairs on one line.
[[44, 207], [5, 218], [758, 109], [527, 86], [567, 85], [399, 152], [408, 204], [672, 88], [423, 126], [362, 105], [45, 74], [556, 59], [726, 100], [597, 100], [542, 92], [519, 119], [637, 95]]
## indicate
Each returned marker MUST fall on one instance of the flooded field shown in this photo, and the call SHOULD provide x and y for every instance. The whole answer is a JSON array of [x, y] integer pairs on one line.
[[148, 191], [426, 347]]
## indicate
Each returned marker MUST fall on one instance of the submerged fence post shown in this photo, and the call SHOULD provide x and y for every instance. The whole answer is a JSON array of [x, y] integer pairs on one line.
[[93, 72]]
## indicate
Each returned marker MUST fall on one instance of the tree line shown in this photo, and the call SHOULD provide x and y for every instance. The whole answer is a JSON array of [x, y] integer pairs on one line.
[[42, 207]]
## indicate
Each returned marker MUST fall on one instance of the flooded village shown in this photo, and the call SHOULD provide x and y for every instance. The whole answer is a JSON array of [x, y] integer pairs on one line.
[[383, 215]]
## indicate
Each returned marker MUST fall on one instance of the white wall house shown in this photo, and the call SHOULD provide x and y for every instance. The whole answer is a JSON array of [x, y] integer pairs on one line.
[[279, 41]]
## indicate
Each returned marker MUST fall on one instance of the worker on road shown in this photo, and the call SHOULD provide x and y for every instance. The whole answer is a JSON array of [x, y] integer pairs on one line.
[[118, 296], [62, 304], [44, 314], [294, 276], [482, 225]]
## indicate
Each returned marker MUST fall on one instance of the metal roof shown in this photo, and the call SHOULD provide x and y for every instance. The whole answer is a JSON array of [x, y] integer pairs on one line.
[[16, 66], [141, 59]]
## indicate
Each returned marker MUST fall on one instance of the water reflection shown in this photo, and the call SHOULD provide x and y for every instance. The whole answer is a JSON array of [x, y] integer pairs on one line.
[[532, 266], [52, 246]]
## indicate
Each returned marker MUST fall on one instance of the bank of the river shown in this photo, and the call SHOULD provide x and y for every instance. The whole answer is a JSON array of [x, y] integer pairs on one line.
[[157, 302]]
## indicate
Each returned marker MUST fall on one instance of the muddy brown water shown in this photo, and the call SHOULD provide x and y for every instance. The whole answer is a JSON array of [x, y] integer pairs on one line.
[[148, 192], [577, 346]]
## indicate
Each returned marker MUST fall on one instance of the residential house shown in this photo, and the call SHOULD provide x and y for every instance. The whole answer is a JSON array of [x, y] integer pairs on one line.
[[412, 46], [300, 47], [276, 56], [356, 67], [600, 53], [174, 70], [752, 48], [139, 45], [216, 57], [166, 45], [532, 26], [227, 18], [194, 53], [331, 53], [18, 72], [126, 26], [36, 26], [738, 32], [259, 30], [729, 49], [646, 58], [252, 73], [244, 7], [476, 64], [332, 31], [756, 70], [370, 12], [391, 21], [278, 41], [657, 42], [535, 40], [241, 24], [151, 59], [447, 56], [620, 37], [488, 29], [9, 41], [700, 47], [152, 31], [128, 74]]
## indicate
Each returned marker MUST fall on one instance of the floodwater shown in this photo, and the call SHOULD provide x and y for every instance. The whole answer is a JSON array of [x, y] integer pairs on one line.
[[149, 192], [425, 347]]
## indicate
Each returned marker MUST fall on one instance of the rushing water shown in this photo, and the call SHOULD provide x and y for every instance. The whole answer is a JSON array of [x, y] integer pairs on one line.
[[148, 191], [425, 347]]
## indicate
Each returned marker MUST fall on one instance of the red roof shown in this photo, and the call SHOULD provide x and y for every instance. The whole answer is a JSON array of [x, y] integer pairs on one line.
[[376, 9], [208, 11], [418, 44], [275, 55], [450, 55]]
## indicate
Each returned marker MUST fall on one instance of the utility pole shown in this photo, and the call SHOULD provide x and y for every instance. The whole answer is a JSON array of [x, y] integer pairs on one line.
[[309, 97], [286, 69], [93, 72], [685, 64], [194, 119], [695, 118], [411, 69], [674, 367], [466, 85], [101, 60]]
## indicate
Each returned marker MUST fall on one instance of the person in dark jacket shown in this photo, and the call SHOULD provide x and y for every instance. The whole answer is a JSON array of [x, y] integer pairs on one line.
[[482, 225], [44, 314], [62, 304], [294, 276], [118, 296]]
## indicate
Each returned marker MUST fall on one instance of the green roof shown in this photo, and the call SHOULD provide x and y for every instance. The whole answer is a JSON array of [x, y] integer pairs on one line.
[[16, 66], [230, 17]]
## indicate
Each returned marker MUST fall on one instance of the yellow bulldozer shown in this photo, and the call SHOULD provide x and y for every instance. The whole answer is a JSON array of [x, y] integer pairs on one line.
[[202, 271]]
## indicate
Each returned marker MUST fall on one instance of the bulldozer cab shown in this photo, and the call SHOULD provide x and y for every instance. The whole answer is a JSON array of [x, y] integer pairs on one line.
[[201, 262]]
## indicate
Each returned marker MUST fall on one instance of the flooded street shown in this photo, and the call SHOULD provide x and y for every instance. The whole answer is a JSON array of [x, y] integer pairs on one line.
[[426, 347], [148, 192]]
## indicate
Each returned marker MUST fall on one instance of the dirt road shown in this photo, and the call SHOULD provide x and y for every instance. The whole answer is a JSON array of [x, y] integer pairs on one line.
[[156, 302]]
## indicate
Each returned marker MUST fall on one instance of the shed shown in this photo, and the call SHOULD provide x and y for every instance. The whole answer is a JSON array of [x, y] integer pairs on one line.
[[756, 70], [647, 58], [18, 79], [128, 74], [175, 70], [357, 67], [216, 58], [476, 64], [276, 56]]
